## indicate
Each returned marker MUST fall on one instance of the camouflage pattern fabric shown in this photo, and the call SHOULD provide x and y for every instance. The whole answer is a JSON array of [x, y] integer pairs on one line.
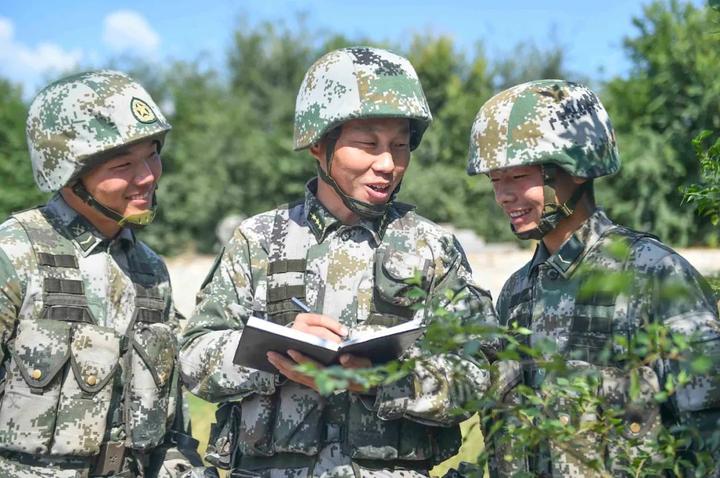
[[358, 82], [73, 122], [546, 121], [74, 320], [347, 267], [545, 296]]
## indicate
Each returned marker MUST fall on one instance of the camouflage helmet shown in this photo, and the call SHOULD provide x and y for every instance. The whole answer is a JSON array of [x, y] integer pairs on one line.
[[358, 82], [545, 121], [75, 122]]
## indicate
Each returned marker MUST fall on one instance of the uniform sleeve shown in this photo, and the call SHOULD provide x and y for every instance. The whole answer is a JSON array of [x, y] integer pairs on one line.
[[438, 389], [683, 301], [213, 331], [12, 291]]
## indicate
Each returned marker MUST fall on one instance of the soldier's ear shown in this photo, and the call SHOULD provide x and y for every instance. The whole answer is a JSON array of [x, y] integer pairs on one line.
[[318, 150]]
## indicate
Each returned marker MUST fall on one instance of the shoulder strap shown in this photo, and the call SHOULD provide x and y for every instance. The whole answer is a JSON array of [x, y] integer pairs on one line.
[[63, 290], [285, 270], [613, 301]]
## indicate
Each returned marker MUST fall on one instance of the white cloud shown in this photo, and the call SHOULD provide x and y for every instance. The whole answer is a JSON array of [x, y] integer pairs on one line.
[[126, 30], [7, 30], [26, 64]]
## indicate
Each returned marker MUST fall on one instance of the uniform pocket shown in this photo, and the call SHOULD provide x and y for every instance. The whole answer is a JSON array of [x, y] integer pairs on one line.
[[369, 437], [152, 361], [395, 274], [28, 411], [296, 429], [256, 422], [86, 391]]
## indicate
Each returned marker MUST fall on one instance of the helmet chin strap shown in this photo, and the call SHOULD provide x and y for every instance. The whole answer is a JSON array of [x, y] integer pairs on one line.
[[133, 221], [362, 209], [553, 210]]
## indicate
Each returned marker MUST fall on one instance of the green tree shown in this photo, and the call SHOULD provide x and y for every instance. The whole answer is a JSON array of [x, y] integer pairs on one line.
[[18, 189], [671, 94]]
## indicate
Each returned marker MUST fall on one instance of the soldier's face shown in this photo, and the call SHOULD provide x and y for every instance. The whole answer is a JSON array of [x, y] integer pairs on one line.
[[519, 191], [126, 183], [370, 158]]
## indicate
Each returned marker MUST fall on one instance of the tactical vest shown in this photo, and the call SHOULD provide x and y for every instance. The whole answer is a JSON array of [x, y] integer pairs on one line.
[[288, 428], [65, 370], [597, 317]]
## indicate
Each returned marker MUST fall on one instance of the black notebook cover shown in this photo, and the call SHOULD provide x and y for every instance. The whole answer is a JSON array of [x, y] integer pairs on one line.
[[261, 336]]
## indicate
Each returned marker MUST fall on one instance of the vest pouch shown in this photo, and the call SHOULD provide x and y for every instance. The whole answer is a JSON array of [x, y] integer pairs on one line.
[[640, 416], [446, 443], [571, 455], [298, 424], [152, 360], [34, 376], [86, 391], [256, 421], [394, 272], [703, 390], [591, 333], [369, 437], [223, 441]]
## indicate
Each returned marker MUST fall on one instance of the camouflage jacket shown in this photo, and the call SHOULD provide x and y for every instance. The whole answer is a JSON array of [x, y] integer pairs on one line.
[[547, 297], [355, 273], [88, 336]]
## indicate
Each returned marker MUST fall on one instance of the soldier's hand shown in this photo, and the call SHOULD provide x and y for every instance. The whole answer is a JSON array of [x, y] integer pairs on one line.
[[354, 361], [320, 326], [286, 366]]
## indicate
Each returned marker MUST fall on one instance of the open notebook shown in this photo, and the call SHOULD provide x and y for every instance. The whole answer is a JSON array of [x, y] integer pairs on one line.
[[260, 336]]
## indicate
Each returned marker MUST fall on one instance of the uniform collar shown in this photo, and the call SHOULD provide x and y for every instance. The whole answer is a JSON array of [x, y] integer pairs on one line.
[[81, 232], [321, 221], [566, 259]]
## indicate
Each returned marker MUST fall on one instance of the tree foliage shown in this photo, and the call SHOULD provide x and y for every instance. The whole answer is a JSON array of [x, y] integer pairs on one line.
[[230, 150], [18, 188], [671, 95]]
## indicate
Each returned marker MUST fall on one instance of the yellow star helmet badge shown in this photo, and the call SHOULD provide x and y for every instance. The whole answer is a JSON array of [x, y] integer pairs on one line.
[[142, 111]]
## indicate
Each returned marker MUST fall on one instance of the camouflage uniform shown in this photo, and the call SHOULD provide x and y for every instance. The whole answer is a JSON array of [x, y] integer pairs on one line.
[[88, 329], [564, 124], [357, 274]]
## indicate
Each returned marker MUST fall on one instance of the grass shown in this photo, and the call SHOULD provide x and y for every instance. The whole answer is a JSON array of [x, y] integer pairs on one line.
[[203, 414]]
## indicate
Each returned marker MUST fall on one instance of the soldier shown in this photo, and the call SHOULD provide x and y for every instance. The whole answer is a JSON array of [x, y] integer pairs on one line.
[[542, 144], [88, 328], [347, 249]]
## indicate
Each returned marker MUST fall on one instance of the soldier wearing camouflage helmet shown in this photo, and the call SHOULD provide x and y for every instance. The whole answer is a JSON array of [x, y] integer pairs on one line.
[[542, 144], [347, 249], [88, 329]]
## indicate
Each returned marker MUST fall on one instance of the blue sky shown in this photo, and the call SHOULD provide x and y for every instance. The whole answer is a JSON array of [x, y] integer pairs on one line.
[[40, 38]]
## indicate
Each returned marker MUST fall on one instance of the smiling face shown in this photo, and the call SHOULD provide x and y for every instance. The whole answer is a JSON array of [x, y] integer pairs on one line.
[[519, 192], [126, 183], [370, 159]]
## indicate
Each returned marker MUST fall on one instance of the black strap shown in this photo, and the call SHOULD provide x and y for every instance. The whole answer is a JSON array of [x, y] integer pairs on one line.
[[57, 260], [64, 286], [149, 316], [285, 292], [68, 314], [287, 265], [278, 307]]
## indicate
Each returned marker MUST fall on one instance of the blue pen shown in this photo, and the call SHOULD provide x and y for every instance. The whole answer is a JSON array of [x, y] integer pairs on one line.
[[302, 305]]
